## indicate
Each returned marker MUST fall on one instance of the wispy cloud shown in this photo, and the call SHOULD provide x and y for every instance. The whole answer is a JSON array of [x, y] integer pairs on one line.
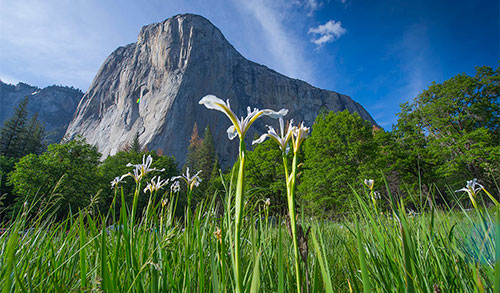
[[328, 32], [49, 42], [6, 78], [52, 43], [416, 61], [283, 45], [311, 5], [416, 67]]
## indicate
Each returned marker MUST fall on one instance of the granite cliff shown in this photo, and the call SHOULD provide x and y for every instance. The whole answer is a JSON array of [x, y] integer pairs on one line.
[[55, 105], [152, 87]]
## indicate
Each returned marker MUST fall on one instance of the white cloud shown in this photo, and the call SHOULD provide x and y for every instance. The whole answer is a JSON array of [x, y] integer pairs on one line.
[[328, 32]]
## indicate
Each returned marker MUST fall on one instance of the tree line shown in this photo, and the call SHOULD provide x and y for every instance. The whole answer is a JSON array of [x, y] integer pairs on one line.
[[19, 136], [448, 134]]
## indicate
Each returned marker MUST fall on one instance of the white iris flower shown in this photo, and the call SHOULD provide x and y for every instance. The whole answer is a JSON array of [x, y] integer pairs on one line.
[[300, 133], [240, 126], [137, 175], [175, 187], [191, 181], [117, 180], [142, 169], [155, 185], [471, 188], [369, 183], [282, 138]]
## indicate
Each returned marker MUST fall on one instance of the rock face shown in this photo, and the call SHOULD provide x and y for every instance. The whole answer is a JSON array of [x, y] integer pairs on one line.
[[174, 64], [55, 105]]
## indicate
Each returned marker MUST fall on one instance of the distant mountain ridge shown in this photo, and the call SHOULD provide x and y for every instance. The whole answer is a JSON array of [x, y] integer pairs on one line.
[[55, 105], [152, 87]]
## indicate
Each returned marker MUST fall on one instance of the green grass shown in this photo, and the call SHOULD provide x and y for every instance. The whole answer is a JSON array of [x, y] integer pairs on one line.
[[450, 249]]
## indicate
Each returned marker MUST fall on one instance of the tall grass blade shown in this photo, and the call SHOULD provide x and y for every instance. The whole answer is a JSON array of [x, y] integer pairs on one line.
[[407, 251], [239, 206], [213, 268], [256, 275], [8, 261], [83, 255], [104, 263], [362, 260], [281, 279], [497, 253], [322, 263]]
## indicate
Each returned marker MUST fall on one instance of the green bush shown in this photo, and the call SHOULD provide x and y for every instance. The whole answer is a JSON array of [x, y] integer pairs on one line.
[[63, 177]]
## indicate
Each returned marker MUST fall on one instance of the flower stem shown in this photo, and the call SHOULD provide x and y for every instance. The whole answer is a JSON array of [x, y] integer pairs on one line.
[[285, 164], [188, 209], [239, 218], [374, 201], [187, 231], [291, 210], [134, 204]]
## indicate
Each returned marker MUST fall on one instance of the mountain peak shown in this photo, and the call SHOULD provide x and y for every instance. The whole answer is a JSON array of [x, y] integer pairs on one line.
[[54, 105], [178, 24], [194, 19], [152, 87]]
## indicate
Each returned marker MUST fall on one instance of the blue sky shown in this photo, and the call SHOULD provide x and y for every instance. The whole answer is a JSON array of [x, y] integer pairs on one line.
[[381, 53]]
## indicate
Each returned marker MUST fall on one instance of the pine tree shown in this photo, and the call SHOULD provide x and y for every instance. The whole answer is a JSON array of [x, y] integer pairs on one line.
[[136, 146], [215, 182], [133, 146], [338, 154], [215, 170], [206, 155], [32, 141], [192, 160], [13, 131], [201, 156]]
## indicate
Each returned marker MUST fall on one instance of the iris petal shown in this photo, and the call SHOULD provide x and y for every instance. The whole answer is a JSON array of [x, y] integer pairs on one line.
[[231, 132], [260, 139]]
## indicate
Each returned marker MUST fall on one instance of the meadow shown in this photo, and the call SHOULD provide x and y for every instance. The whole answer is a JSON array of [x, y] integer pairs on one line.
[[155, 236], [439, 250], [233, 245]]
